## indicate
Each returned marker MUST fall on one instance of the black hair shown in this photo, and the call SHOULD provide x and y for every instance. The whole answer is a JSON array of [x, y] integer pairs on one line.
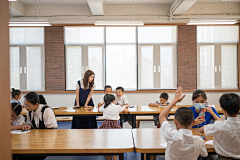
[[42, 100], [164, 96], [185, 116], [120, 88], [16, 108], [199, 93], [32, 97], [108, 99], [15, 92], [107, 86], [230, 102]]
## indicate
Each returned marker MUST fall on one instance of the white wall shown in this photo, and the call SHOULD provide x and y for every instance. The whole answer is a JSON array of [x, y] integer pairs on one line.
[[67, 99]]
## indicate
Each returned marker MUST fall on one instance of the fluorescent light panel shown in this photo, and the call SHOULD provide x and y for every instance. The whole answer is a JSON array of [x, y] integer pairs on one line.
[[202, 22], [119, 23], [29, 24]]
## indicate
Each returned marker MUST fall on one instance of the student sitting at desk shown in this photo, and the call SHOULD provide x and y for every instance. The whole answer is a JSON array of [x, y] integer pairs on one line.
[[122, 100], [17, 120], [210, 114], [107, 90], [181, 144], [16, 95], [39, 116], [111, 112], [162, 101], [226, 133]]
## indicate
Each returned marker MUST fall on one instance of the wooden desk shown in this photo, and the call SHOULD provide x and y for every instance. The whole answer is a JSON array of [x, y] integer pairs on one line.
[[149, 110], [73, 142], [148, 140]]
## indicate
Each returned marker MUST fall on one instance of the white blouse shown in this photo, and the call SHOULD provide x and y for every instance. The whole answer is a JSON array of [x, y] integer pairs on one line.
[[48, 117], [82, 86], [111, 112], [19, 120]]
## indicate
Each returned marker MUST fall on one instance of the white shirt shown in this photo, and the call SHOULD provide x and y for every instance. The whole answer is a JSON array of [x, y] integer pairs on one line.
[[157, 101], [181, 144], [226, 136], [121, 100], [19, 120], [111, 112], [48, 117], [82, 86]]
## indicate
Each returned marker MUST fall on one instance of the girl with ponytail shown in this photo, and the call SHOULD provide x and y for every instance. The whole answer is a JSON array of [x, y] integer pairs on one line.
[[16, 95], [17, 120], [111, 112]]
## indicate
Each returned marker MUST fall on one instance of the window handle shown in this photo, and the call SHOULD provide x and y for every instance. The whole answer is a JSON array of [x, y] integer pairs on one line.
[[215, 68], [25, 70], [220, 68], [159, 69], [20, 70], [154, 69]]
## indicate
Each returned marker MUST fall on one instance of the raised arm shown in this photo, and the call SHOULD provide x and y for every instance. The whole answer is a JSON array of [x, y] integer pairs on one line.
[[178, 98]]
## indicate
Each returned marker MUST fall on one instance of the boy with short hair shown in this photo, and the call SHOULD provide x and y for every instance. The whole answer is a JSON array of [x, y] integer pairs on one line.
[[162, 101], [107, 90], [122, 100], [181, 144], [226, 133]]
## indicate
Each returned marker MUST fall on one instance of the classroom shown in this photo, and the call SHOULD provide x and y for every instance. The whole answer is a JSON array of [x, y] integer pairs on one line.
[[120, 79]]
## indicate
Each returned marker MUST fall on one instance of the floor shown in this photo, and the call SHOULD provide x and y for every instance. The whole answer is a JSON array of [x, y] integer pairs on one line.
[[127, 156]]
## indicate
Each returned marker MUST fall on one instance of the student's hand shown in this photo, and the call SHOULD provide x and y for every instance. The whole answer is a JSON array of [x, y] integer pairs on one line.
[[164, 104], [209, 110], [199, 120], [178, 95], [26, 127], [88, 106]]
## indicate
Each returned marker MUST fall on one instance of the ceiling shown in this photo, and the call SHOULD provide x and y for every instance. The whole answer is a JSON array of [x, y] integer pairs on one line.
[[29, 2]]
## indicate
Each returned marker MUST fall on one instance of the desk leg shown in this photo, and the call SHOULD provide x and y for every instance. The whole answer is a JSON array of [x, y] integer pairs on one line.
[[121, 155], [142, 156], [133, 120], [121, 124], [148, 156]]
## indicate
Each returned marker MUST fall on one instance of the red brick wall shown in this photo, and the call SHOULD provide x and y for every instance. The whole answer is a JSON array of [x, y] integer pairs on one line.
[[54, 59], [187, 57]]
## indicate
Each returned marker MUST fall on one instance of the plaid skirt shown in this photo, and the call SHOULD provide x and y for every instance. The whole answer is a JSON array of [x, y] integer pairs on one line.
[[110, 124]]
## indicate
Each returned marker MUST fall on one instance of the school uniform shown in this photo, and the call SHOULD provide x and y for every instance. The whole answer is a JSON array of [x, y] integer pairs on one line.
[[122, 101], [156, 117], [226, 136], [19, 120], [84, 122], [208, 117], [182, 144], [15, 101], [42, 118], [111, 116]]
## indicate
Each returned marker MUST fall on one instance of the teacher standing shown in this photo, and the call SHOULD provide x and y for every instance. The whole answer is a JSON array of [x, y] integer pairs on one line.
[[84, 91]]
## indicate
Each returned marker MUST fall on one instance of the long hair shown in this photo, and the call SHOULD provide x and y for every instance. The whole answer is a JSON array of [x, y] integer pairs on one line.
[[87, 74], [108, 99]]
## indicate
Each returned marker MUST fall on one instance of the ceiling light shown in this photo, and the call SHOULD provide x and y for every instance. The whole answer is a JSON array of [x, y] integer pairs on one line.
[[131, 23], [11, 24], [204, 22], [12, 0]]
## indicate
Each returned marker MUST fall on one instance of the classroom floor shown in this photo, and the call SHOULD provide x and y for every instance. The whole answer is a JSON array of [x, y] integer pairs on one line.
[[127, 156]]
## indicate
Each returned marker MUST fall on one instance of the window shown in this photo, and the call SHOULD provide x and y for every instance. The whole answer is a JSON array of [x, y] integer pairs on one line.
[[131, 57], [157, 67], [84, 48], [121, 65], [27, 58], [217, 57]]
